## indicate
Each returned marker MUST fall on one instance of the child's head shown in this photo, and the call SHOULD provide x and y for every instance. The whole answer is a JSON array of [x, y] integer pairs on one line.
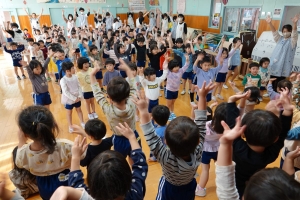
[[255, 94], [225, 53], [95, 128], [182, 136], [30, 41], [179, 42], [173, 66], [160, 114], [60, 54], [42, 44], [109, 170], [154, 49], [121, 48], [36, 45], [37, 32], [133, 68], [110, 64], [68, 68], [62, 40], [199, 40], [253, 68], [284, 84], [93, 49], [25, 30], [150, 73], [188, 48], [36, 67], [118, 89], [287, 30], [38, 124], [140, 41], [13, 45], [264, 62], [235, 40], [83, 63], [180, 18], [205, 63], [219, 115]]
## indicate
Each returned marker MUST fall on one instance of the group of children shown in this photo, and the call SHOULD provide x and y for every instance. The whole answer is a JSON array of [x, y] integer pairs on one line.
[[53, 165]]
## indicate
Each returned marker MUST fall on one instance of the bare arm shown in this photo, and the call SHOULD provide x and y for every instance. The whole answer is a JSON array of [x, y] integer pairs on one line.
[[269, 21], [63, 15], [26, 12], [41, 13]]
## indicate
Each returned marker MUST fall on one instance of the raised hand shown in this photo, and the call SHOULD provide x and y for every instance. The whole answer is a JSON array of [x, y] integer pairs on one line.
[[23, 63], [296, 18], [204, 90], [237, 97], [125, 130], [231, 134], [79, 147], [268, 19], [141, 101]]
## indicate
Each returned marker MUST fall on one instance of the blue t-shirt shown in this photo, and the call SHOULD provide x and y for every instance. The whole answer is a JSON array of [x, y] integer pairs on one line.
[[59, 63], [160, 131], [83, 50]]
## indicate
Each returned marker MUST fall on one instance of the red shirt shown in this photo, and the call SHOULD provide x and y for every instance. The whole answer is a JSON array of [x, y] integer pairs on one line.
[[45, 52]]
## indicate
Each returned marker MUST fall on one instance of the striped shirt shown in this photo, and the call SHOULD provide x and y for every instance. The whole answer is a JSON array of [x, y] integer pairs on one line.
[[176, 171]]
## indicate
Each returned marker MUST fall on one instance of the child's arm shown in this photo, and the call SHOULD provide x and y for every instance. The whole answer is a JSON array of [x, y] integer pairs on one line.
[[272, 94], [288, 165], [6, 194], [259, 82], [220, 49], [165, 70], [294, 35], [186, 60], [232, 112], [29, 71], [179, 53], [127, 52], [63, 15], [131, 80], [116, 50], [64, 192], [195, 67], [237, 46]]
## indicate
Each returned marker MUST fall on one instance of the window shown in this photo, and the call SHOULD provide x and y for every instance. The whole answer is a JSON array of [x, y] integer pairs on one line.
[[215, 13]]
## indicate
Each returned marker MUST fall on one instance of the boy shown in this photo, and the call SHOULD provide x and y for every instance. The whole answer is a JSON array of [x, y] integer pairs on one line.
[[30, 48], [95, 130], [16, 56], [120, 107], [180, 160], [133, 69], [26, 34], [179, 46], [141, 54], [85, 43], [60, 56], [111, 72], [252, 78], [160, 116]]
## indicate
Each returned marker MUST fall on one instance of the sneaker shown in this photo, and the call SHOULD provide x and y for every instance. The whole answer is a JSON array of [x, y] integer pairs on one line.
[[91, 116], [160, 95], [18, 77], [23, 76], [103, 90], [194, 105], [183, 92], [82, 125], [189, 91], [213, 98], [173, 116], [95, 115], [201, 192], [70, 129], [180, 81], [225, 86], [266, 95], [161, 87], [260, 99], [48, 79], [220, 97]]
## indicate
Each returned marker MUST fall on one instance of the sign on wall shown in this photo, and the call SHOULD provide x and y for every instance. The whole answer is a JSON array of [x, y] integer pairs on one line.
[[181, 6], [71, 1], [136, 5]]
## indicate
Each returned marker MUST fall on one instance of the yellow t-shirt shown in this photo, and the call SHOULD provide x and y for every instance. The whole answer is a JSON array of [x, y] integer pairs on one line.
[[85, 80]]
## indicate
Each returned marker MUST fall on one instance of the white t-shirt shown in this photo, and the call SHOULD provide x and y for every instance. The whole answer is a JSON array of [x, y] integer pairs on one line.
[[35, 22]]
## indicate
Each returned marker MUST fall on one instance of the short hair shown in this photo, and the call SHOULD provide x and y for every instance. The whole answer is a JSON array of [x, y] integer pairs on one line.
[[153, 46], [81, 61], [262, 127], [264, 59], [179, 40], [285, 84], [92, 47], [35, 64], [41, 41], [182, 136], [81, 9], [206, 59], [30, 40], [110, 61], [141, 39], [160, 114], [172, 64], [25, 29], [219, 116], [149, 71], [272, 184], [288, 27], [104, 37], [60, 50], [253, 64], [118, 89], [95, 128], [67, 66], [255, 94], [181, 15], [13, 44], [14, 25], [36, 43], [199, 38], [188, 46], [132, 66]]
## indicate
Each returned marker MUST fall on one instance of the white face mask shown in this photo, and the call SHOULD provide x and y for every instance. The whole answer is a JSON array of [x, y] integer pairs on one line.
[[15, 29], [287, 34], [118, 18], [129, 16], [152, 15], [82, 13], [70, 18], [180, 19]]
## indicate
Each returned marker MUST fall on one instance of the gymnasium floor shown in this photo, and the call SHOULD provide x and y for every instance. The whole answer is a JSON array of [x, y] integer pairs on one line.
[[15, 95]]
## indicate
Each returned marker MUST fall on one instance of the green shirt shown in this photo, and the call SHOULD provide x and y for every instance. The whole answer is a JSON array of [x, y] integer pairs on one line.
[[254, 80]]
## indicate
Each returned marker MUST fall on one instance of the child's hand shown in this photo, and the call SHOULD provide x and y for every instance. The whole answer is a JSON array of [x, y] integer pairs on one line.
[[94, 71], [231, 134], [293, 154], [141, 102], [237, 97], [204, 90], [23, 63], [238, 44], [125, 130], [223, 39], [268, 19], [284, 99], [166, 56], [79, 147], [4, 44], [271, 80]]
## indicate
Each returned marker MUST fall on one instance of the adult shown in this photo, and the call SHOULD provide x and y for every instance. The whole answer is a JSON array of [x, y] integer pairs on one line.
[[98, 19], [34, 20], [282, 58], [82, 17], [108, 20], [181, 29], [71, 21]]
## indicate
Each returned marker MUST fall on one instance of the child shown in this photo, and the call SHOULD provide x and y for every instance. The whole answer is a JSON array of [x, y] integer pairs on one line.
[[160, 116], [85, 80], [199, 42], [154, 55], [30, 48], [179, 46], [36, 73], [174, 75], [214, 131], [141, 53], [234, 61], [111, 72], [280, 85], [16, 56], [47, 158], [43, 49], [120, 52], [37, 53], [38, 36], [180, 160], [265, 76], [120, 107], [252, 78], [83, 47], [71, 93], [26, 33]]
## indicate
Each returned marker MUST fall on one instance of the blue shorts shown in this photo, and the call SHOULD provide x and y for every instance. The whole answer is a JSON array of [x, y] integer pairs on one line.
[[221, 77], [141, 63], [187, 75], [171, 95], [159, 73], [88, 95], [74, 105], [232, 67], [152, 104], [56, 75], [208, 97], [99, 75], [9, 40], [122, 145], [42, 99], [17, 64], [207, 156], [168, 191], [262, 88], [194, 82], [105, 55], [117, 66], [48, 184]]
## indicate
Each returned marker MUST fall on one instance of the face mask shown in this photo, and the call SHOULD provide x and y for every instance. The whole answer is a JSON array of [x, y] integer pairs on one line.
[[287, 34], [82, 13], [129, 15], [166, 18], [152, 15], [15, 29], [118, 18], [180, 19], [70, 18]]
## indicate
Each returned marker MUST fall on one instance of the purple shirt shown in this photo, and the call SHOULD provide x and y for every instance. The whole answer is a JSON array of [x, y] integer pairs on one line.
[[110, 75], [173, 78]]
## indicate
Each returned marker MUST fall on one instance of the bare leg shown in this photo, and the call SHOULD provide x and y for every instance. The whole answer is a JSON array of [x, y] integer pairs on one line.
[[220, 88], [172, 105], [93, 105], [16, 71], [183, 84], [235, 73], [47, 106], [216, 88], [87, 105], [22, 70], [228, 75], [80, 115], [169, 104], [190, 84], [204, 175], [69, 117]]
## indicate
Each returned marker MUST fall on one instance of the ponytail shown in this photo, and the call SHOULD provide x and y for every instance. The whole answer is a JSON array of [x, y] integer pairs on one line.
[[230, 46], [46, 137]]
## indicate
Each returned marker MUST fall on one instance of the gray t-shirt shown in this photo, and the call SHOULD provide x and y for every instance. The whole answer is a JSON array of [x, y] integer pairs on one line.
[[110, 75], [39, 82]]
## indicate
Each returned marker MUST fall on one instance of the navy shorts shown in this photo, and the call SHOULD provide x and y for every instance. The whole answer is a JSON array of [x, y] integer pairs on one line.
[[122, 145], [57, 76], [187, 75], [208, 97], [194, 82], [207, 156], [159, 73], [117, 66], [141, 63], [48, 184], [105, 55], [152, 104], [74, 105], [88, 95], [17, 64], [221, 77], [171, 95], [262, 88], [99, 75], [132, 51], [232, 67], [42, 99], [168, 191]]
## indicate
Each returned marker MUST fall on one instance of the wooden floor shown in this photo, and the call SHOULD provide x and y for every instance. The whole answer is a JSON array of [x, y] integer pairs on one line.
[[15, 95]]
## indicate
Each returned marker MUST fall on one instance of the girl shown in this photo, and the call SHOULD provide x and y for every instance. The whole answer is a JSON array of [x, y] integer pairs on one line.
[[130, 20], [152, 21], [165, 23], [221, 76], [71, 21], [36, 73], [71, 93], [214, 131], [46, 157], [37, 53], [234, 61], [265, 76], [120, 52]]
